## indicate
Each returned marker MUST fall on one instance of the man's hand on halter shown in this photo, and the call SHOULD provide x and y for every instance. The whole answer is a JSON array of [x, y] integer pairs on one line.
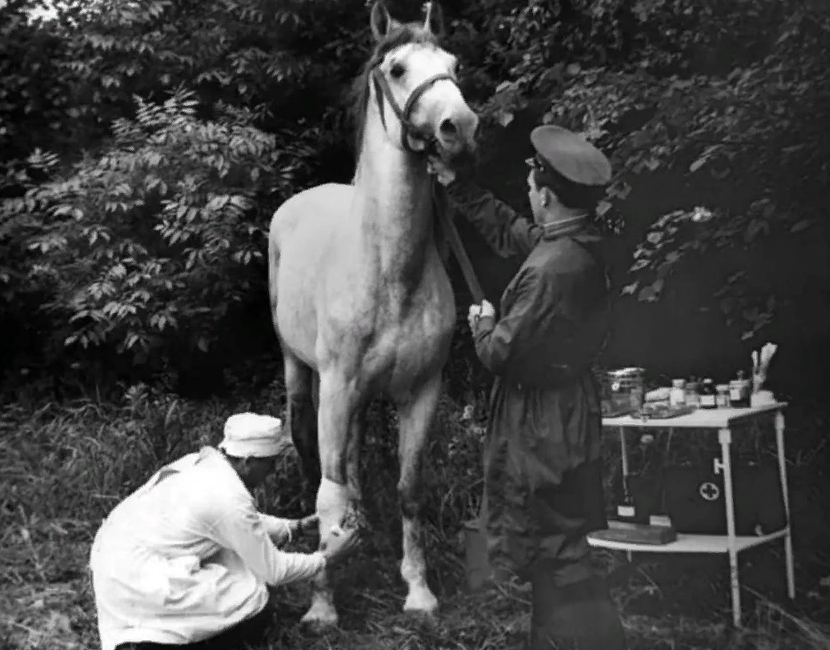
[[442, 172]]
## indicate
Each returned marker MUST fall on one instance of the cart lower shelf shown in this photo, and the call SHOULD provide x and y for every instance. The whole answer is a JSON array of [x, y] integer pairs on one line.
[[690, 543]]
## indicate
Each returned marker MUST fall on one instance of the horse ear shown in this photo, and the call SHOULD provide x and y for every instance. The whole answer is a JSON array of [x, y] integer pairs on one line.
[[434, 18], [380, 21]]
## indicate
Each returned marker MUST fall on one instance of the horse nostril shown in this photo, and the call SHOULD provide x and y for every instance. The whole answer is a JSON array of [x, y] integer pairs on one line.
[[448, 128]]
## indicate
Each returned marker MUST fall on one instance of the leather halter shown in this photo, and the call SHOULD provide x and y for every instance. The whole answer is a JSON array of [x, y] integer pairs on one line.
[[407, 128]]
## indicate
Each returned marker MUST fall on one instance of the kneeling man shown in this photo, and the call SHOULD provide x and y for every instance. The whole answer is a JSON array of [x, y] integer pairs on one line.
[[187, 557]]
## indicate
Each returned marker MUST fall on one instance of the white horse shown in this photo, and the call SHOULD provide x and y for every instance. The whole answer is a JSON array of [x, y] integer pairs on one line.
[[361, 301]]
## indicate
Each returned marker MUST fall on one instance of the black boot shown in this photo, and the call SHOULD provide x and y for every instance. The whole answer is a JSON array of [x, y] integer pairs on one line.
[[579, 616]]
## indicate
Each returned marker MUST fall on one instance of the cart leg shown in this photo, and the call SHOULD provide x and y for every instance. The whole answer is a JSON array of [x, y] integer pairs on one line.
[[782, 470], [623, 453], [725, 439], [624, 460]]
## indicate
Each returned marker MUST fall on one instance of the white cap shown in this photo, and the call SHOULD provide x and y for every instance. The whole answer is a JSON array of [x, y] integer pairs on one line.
[[251, 434]]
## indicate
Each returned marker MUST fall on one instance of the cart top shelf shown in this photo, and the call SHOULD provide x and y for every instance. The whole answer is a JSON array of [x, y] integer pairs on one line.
[[720, 418]]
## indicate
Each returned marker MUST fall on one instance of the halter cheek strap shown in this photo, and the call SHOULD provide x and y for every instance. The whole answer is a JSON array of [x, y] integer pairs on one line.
[[407, 128]]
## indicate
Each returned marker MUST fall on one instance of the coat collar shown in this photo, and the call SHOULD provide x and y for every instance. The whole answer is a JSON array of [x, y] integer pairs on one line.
[[578, 227]]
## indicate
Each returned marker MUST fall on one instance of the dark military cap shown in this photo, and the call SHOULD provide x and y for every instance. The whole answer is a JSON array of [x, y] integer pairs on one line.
[[571, 155]]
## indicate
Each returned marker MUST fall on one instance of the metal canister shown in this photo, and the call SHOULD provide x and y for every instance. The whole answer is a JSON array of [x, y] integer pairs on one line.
[[739, 390], [627, 384]]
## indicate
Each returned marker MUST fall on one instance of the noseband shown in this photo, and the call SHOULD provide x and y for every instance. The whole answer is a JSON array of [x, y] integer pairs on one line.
[[407, 128]]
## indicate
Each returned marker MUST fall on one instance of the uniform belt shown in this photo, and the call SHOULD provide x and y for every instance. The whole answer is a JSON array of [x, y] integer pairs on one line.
[[554, 376]]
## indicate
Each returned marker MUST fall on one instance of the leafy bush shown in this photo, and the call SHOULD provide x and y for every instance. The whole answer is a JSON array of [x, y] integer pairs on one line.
[[726, 99], [146, 246]]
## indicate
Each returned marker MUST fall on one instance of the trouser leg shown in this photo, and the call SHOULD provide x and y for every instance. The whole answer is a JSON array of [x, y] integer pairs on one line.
[[247, 631], [578, 616], [572, 605]]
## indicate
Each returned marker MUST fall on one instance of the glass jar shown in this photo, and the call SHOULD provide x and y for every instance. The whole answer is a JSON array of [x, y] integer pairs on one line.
[[677, 395], [708, 395], [627, 388], [723, 396], [739, 390]]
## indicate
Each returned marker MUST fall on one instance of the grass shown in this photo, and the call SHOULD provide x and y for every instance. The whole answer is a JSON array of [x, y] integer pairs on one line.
[[65, 465]]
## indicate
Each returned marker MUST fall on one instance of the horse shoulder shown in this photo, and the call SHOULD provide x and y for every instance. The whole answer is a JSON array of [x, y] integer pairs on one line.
[[310, 207]]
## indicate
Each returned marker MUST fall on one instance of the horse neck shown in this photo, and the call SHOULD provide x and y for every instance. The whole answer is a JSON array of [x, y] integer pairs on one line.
[[394, 193]]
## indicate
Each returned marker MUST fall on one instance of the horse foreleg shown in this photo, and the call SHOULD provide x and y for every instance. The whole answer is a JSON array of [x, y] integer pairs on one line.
[[335, 414], [415, 414], [302, 423]]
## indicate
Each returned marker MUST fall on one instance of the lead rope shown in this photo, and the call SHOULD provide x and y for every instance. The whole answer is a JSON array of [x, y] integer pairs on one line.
[[441, 206]]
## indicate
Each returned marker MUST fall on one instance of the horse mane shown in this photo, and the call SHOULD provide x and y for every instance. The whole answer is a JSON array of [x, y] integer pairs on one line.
[[402, 34]]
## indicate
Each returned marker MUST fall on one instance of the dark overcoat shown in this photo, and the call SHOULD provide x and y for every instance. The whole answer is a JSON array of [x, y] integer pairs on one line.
[[543, 487]]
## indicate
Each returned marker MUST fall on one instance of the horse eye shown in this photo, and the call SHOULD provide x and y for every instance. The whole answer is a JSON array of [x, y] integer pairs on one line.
[[397, 71]]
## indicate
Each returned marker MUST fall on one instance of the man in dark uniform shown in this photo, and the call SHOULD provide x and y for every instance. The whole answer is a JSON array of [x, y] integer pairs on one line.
[[543, 484]]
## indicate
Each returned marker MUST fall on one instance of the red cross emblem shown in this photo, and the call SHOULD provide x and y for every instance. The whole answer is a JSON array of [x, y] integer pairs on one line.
[[709, 491]]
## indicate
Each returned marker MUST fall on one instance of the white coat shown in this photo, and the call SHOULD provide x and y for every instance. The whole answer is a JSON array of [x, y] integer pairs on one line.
[[187, 556]]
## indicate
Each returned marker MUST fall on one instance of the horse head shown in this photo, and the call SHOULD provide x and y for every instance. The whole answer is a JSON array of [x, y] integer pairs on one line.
[[415, 80]]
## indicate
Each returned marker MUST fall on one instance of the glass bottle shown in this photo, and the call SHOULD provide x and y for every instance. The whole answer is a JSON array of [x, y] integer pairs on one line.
[[692, 396], [627, 511]]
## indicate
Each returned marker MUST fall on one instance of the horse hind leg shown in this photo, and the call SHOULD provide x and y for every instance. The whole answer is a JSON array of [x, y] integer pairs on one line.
[[302, 423], [353, 449], [416, 415]]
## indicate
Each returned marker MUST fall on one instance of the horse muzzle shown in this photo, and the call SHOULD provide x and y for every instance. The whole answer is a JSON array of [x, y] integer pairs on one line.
[[456, 134]]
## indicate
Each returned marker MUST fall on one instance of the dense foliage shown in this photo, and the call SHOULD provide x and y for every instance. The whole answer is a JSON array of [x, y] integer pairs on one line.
[[155, 232], [145, 144]]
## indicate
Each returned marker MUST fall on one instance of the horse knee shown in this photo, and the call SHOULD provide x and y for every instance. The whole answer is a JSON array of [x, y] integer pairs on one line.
[[408, 501]]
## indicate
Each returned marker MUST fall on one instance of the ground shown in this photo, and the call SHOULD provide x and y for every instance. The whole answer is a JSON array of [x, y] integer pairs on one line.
[[65, 465]]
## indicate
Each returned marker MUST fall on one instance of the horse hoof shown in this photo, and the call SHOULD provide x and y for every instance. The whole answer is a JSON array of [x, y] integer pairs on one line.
[[421, 604], [318, 625], [319, 619], [421, 617]]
